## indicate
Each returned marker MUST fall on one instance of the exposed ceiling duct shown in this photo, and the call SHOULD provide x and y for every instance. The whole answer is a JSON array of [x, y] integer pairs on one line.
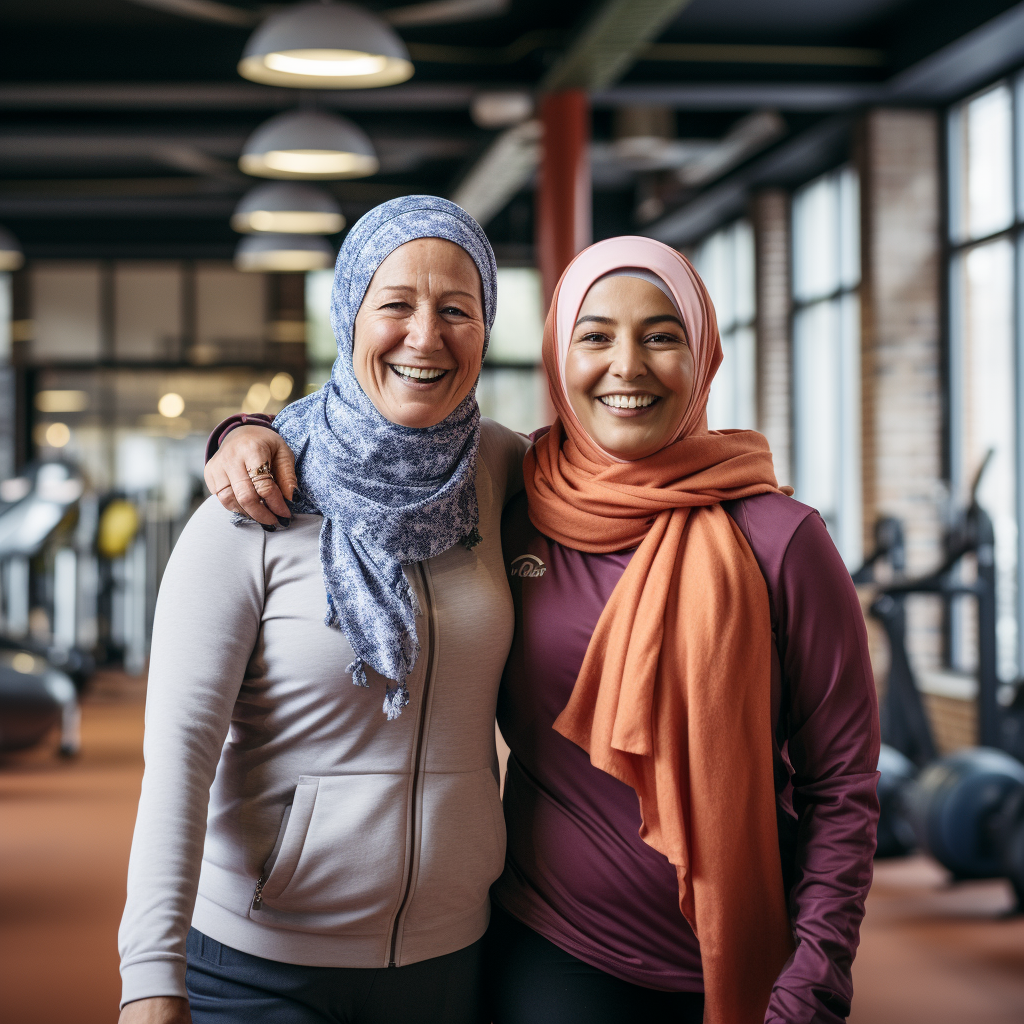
[[501, 109], [610, 43], [748, 136], [501, 172], [204, 10], [442, 12], [604, 50]]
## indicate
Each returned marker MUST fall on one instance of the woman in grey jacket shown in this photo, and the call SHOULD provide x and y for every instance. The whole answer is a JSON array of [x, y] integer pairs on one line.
[[338, 869]]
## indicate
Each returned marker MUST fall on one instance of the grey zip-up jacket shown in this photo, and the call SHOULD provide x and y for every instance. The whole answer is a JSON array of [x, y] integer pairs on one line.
[[330, 836]]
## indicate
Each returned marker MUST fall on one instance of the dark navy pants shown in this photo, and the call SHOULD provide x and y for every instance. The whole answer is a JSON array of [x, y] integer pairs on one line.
[[226, 986], [531, 981]]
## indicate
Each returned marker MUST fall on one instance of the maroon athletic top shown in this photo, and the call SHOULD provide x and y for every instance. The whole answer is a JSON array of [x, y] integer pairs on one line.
[[577, 871]]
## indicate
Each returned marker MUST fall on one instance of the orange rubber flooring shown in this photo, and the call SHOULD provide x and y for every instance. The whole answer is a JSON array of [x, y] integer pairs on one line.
[[931, 953]]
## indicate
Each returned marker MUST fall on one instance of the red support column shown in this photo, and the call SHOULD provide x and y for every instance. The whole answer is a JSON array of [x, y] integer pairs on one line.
[[563, 203]]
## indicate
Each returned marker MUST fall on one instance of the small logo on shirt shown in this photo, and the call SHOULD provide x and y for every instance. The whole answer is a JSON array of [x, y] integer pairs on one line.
[[527, 566]]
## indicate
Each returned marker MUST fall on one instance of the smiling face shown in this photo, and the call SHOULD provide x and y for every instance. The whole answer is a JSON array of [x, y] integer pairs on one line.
[[419, 333], [629, 368]]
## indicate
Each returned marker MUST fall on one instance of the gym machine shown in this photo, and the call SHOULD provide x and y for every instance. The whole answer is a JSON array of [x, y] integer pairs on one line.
[[966, 809], [40, 679]]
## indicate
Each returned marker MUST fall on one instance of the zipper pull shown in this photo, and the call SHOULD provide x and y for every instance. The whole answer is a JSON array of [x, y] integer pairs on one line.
[[257, 896]]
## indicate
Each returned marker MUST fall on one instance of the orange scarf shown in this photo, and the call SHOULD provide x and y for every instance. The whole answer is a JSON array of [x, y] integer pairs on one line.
[[673, 697]]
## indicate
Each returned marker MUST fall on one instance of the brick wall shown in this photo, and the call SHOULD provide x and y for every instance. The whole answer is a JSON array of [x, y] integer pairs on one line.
[[769, 214], [898, 154]]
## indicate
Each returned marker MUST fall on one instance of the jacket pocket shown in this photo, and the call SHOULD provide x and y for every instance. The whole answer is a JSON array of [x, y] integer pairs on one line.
[[339, 859]]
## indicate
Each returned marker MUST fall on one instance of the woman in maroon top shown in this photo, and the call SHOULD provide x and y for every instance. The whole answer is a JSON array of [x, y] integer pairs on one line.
[[587, 923]]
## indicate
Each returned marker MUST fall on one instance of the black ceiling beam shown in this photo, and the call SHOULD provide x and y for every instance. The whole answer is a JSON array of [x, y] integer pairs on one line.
[[195, 96]]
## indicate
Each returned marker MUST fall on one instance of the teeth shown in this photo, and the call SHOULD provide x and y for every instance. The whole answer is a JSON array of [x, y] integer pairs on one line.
[[628, 401], [419, 372]]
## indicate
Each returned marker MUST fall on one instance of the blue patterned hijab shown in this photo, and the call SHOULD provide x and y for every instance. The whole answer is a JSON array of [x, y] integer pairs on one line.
[[390, 495]]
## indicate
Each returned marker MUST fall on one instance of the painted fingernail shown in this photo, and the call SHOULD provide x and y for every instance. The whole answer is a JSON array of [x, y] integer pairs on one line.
[[268, 529], [283, 521], [297, 495]]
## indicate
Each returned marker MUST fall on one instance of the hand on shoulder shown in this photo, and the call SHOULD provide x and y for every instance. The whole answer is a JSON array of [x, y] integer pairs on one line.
[[231, 475]]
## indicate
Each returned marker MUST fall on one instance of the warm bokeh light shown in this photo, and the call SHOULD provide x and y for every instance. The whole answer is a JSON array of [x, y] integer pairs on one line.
[[171, 405], [57, 435], [281, 386], [23, 662], [62, 401], [257, 398]]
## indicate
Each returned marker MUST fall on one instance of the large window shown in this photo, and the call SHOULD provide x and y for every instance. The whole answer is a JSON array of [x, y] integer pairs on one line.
[[826, 354], [725, 261], [985, 217], [513, 386]]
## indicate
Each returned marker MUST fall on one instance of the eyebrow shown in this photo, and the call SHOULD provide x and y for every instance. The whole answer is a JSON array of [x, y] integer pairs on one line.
[[411, 288], [661, 318], [648, 321]]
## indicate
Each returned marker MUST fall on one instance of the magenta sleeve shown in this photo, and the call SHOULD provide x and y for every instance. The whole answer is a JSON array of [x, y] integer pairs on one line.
[[833, 740], [219, 432]]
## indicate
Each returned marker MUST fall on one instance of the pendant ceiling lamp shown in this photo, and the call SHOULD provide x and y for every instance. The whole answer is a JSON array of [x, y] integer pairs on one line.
[[270, 252], [290, 207], [308, 144], [325, 46], [11, 256]]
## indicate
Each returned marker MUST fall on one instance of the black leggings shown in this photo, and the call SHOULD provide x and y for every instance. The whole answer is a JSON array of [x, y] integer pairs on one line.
[[226, 986], [529, 980]]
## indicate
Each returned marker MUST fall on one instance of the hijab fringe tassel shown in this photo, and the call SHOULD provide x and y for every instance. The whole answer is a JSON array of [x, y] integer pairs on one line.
[[358, 673], [395, 698]]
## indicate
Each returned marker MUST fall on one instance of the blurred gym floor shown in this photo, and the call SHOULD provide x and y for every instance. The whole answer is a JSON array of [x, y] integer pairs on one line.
[[931, 952]]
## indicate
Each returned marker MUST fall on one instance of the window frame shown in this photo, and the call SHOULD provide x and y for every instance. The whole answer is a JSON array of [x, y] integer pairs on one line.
[[957, 245], [737, 323], [849, 512]]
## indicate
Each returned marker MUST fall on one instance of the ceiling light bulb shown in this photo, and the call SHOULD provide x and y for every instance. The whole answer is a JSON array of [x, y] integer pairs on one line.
[[325, 46], [294, 222], [317, 163], [326, 63]]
